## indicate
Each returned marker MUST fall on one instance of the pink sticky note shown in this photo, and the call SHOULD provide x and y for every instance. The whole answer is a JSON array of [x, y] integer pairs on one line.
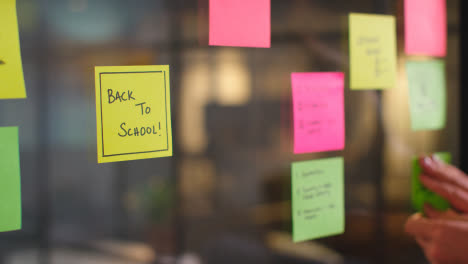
[[426, 27], [318, 107], [240, 23]]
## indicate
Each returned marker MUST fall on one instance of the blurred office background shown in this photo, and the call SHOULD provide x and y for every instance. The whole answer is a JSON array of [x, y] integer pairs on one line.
[[225, 195]]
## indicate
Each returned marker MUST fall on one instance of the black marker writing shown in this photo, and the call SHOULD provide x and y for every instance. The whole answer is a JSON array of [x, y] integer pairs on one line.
[[144, 110], [138, 131], [312, 173], [122, 96], [367, 40]]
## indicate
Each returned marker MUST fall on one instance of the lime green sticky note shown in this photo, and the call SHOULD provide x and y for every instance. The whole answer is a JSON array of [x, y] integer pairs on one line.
[[372, 51], [317, 198], [420, 194], [133, 113], [10, 182], [427, 94], [11, 69]]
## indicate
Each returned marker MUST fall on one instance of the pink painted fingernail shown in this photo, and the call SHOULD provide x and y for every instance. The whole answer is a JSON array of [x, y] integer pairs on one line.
[[436, 159], [428, 162]]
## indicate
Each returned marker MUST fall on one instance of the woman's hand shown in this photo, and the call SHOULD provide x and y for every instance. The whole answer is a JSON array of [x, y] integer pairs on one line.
[[445, 180], [443, 236]]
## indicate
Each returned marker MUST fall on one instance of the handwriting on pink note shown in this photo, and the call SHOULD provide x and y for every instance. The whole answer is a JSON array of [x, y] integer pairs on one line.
[[426, 27], [318, 107], [240, 23]]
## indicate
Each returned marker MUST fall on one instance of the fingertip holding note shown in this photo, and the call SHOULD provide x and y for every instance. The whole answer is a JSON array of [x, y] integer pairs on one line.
[[133, 113], [11, 74], [373, 51], [318, 108], [317, 198], [426, 27], [427, 94], [240, 23], [10, 180], [420, 195]]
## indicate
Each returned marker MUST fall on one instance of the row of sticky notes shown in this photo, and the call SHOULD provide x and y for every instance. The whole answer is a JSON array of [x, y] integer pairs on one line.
[[247, 23], [317, 189], [318, 105], [373, 63], [373, 54], [373, 50]]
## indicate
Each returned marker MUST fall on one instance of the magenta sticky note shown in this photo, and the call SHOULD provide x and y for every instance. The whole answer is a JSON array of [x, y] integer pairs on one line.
[[240, 23], [318, 107], [426, 27]]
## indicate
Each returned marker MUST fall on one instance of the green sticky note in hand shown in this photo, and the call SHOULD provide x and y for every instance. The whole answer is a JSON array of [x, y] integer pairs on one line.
[[427, 94], [317, 198], [420, 194], [10, 182]]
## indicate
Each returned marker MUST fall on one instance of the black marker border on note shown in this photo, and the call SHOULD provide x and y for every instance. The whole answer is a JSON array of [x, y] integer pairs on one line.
[[165, 109]]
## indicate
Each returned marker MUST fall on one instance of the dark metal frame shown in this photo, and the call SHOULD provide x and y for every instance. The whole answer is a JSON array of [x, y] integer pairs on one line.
[[463, 84]]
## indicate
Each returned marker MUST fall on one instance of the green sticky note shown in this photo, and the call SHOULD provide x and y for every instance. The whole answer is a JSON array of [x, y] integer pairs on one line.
[[427, 96], [420, 194], [317, 198], [10, 182]]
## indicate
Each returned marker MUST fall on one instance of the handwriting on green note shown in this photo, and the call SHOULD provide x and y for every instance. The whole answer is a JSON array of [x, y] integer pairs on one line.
[[420, 195], [317, 198], [427, 96], [10, 182]]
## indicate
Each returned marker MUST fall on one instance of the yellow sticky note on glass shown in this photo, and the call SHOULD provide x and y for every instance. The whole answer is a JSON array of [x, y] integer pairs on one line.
[[11, 69], [373, 51], [133, 113]]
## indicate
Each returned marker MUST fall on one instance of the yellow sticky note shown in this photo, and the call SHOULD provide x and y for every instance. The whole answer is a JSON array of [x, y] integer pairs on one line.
[[133, 113], [11, 69], [373, 51]]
